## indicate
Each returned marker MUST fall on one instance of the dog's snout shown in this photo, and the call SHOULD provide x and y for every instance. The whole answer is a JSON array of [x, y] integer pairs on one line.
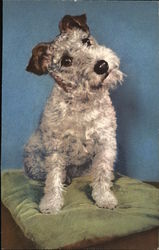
[[101, 67]]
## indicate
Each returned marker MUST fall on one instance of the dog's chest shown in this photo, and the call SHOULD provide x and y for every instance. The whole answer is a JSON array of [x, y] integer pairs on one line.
[[88, 125], [79, 128], [79, 135]]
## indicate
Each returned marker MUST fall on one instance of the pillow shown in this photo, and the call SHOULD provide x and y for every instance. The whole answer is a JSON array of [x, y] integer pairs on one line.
[[80, 219]]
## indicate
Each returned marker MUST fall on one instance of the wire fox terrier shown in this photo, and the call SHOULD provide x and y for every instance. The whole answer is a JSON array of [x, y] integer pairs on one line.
[[77, 131]]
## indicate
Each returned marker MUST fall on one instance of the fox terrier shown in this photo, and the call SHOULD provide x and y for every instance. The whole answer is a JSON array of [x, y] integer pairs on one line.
[[77, 131]]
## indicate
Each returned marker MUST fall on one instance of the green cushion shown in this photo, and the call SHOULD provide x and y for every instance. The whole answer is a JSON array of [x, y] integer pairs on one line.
[[80, 219]]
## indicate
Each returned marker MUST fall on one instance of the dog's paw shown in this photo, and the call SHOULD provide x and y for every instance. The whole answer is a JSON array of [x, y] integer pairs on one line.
[[51, 204], [106, 200]]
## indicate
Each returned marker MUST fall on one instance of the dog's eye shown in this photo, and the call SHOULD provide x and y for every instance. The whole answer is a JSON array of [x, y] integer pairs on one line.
[[66, 61], [86, 41]]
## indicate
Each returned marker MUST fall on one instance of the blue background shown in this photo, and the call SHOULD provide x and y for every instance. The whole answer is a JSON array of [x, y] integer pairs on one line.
[[131, 30]]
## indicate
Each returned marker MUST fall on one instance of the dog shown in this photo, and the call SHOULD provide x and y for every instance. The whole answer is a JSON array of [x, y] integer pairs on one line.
[[77, 131]]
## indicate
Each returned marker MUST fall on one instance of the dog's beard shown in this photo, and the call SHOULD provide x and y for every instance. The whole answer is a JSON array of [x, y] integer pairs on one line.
[[108, 80], [115, 76], [99, 84]]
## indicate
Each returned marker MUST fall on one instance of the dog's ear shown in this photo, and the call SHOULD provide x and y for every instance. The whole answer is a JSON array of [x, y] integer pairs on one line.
[[69, 22], [40, 59]]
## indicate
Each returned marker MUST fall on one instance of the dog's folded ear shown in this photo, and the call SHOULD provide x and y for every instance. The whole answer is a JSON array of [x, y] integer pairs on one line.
[[69, 22], [41, 59]]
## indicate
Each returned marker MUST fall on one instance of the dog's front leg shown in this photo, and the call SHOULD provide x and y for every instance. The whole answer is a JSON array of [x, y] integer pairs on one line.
[[53, 201], [102, 169]]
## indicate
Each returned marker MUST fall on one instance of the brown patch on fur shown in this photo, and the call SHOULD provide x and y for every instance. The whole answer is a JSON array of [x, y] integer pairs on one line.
[[96, 87], [40, 60], [69, 22], [62, 84]]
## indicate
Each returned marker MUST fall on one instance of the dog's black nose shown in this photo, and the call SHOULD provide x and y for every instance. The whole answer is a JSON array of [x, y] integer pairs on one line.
[[101, 67]]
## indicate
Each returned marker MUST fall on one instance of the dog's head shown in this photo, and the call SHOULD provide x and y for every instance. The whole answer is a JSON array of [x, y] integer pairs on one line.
[[75, 60]]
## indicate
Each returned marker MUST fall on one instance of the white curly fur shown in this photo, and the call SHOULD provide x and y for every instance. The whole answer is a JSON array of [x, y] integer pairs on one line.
[[77, 132]]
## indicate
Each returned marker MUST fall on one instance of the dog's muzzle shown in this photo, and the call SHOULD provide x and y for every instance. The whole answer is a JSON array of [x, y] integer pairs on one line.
[[101, 67]]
